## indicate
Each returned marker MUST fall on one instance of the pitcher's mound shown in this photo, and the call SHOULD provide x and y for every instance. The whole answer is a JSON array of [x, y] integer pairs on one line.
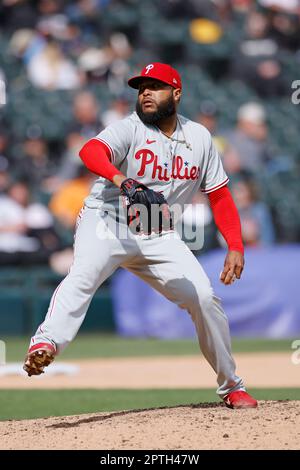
[[273, 425]]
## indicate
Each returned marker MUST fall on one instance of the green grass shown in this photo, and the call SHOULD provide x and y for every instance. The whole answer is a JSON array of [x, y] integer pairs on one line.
[[26, 404], [88, 346]]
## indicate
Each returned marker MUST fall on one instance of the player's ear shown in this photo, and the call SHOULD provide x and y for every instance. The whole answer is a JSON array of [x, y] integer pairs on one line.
[[177, 94]]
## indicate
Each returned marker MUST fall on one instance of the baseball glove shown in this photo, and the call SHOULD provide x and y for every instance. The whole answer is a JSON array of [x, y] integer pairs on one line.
[[147, 210]]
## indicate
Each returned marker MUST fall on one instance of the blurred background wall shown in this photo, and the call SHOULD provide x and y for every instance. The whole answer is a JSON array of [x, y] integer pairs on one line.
[[63, 74]]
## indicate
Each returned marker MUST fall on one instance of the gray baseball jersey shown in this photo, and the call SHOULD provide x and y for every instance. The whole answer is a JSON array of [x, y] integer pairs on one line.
[[177, 166]]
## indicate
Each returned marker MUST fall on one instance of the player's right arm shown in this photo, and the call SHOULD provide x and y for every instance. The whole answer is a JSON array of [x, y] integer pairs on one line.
[[104, 154], [96, 155]]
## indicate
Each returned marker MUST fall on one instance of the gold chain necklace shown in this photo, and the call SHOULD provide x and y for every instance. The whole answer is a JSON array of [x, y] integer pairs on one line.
[[173, 139]]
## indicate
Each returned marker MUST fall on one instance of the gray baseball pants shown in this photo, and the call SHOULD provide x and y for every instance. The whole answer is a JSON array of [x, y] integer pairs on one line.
[[164, 262]]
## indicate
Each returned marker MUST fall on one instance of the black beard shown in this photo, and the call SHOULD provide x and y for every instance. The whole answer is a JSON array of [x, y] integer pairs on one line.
[[164, 110]]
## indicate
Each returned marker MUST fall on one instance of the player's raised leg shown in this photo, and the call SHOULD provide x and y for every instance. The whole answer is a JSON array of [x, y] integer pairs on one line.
[[171, 268], [96, 255]]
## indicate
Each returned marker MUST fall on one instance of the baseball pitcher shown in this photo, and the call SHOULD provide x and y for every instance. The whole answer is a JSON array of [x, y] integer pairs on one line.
[[147, 163]]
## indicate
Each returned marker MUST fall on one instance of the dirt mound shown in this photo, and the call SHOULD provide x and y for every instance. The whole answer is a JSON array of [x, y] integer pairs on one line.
[[274, 425]]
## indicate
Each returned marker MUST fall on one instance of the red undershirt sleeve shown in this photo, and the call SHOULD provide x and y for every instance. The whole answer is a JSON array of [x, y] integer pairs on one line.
[[227, 218], [96, 156]]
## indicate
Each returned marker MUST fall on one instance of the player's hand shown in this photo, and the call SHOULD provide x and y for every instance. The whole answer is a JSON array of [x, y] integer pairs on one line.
[[233, 267], [147, 210]]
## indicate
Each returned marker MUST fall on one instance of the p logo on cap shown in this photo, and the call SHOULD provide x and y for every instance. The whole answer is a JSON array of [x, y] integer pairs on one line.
[[148, 68], [163, 72]]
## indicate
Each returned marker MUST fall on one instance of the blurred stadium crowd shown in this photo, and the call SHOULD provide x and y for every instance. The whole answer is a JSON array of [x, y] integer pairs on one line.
[[65, 66]]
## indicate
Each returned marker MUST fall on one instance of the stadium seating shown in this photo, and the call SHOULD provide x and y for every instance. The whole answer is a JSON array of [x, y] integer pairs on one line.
[[25, 294]]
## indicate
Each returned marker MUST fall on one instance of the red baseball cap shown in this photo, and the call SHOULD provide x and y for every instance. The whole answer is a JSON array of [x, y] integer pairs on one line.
[[163, 72]]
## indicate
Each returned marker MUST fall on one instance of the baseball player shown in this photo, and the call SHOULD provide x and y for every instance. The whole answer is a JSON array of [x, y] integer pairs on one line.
[[152, 158]]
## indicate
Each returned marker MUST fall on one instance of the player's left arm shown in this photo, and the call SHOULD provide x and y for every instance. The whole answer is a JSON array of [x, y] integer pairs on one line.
[[227, 219]]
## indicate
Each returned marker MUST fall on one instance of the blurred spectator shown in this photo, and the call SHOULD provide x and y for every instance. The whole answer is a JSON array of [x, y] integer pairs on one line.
[[70, 163], [85, 125], [257, 62], [66, 33], [194, 9], [66, 203], [285, 27], [3, 86], [48, 8], [108, 64], [94, 64], [5, 157], [27, 234], [268, 79], [208, 9], [35, 166], [256, 220], [174, 8], [120, 46], [291, 6], [208, 116], [4, 174], [24, 43], [87, 14], [16, 14], [46, 64], [86, 116], [4, 142], [242, 6], [119, 69], [119, 109], [51, 70], [249, 140], [54, 23], [232, 161]]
